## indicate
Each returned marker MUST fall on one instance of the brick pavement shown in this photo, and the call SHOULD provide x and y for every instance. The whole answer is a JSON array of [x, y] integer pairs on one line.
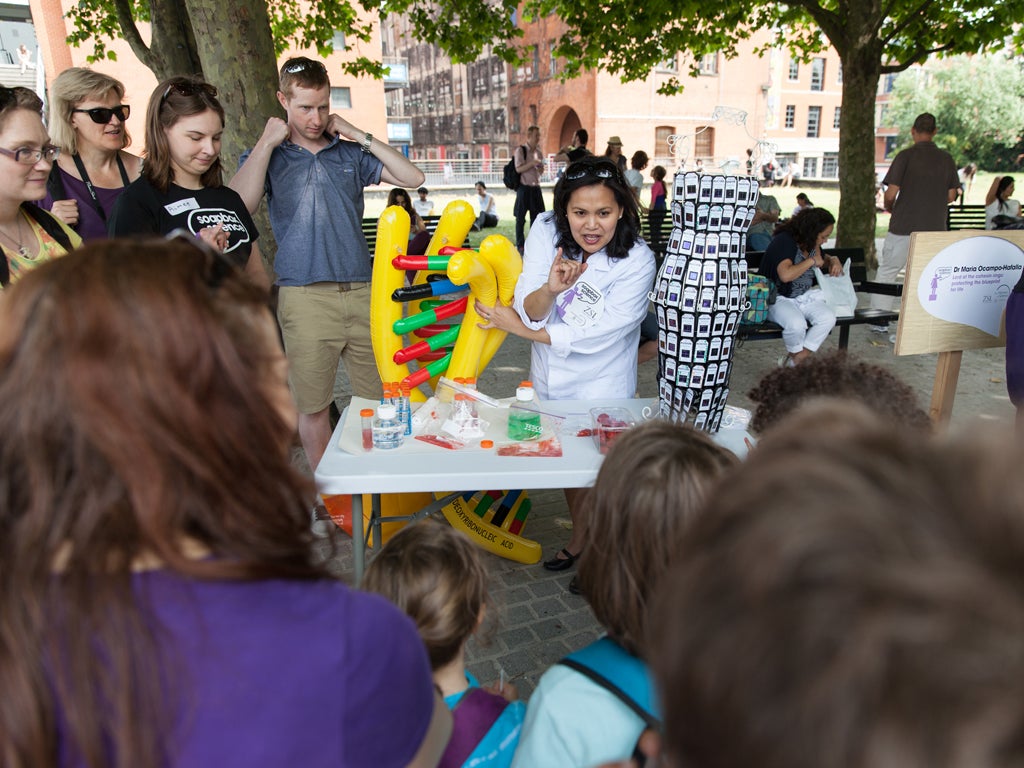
[[539, 620]]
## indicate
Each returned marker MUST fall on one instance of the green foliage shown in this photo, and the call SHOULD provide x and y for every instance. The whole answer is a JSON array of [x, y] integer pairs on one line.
[[96, 22], [301, 25], [978, 102]]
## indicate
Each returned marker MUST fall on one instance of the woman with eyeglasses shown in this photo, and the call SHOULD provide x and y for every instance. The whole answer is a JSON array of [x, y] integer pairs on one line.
[[163, 604], [581, 296], [181, 186], [87, 121], [29, 235]]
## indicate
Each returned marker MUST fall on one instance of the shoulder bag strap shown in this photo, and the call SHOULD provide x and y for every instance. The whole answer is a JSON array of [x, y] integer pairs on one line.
[[474, 715]]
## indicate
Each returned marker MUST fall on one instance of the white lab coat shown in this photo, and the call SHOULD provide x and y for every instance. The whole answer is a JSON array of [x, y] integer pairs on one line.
[[596, 360]]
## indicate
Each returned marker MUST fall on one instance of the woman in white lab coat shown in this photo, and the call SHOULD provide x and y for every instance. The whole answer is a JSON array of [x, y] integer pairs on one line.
[[583, 292]]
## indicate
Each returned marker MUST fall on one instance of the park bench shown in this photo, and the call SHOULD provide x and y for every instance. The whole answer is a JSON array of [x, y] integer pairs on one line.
[[861, 316], [965, 217], [658, 238], [370, 231]]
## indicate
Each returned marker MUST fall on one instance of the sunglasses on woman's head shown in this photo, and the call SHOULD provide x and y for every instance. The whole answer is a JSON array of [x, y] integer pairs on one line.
[[189, 88], [102, 115], [602, 171]]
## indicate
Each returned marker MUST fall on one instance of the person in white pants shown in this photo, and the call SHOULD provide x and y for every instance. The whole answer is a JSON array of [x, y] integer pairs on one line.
[[789, 262]]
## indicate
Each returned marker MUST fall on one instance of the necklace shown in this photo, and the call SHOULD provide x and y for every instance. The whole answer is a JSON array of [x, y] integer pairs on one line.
[[22, 249]]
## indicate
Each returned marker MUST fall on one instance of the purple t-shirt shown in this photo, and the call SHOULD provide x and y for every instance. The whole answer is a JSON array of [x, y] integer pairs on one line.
[[289, 673], [90, 226]]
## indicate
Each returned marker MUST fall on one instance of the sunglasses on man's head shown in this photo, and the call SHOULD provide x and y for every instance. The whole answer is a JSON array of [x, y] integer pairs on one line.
[[299, 66], [189, 88], [102, 115]]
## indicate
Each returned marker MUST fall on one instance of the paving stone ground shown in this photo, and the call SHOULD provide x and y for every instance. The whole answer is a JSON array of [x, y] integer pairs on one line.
[[539, 621]]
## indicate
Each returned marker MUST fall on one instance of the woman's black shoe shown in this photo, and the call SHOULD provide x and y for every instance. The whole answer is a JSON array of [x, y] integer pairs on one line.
[[564, 563]]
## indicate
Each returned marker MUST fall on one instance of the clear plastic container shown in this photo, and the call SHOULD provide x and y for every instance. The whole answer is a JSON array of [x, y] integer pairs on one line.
[[524, 422], [388, 431], [608, 424]]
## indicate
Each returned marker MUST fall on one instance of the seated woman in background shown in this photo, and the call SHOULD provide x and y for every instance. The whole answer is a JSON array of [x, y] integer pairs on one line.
[[182, 185], [487, 208], [419, 238], [802, 201], [998, 202], [87, 122], [789, 262], [29, 235], [162, 602]]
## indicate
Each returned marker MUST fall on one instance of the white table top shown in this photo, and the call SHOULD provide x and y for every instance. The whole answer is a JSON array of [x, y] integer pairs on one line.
[[418, 466]]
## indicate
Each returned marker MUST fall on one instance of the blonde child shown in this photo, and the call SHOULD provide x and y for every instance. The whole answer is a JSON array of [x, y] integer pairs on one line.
[[434, 574]]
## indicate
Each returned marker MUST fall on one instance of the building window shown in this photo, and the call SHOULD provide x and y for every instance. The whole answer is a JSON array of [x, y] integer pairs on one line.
[[668, 65], [554, 60], [794, 70], [836, 116], [839, 73], [708, 65], [810, 167], [533, 115], [704, 143], [513, 120], [661, 134], [817, 74], [813, 122], [341, 98], [790, 115], [338, 41], [888, 82], [536, 63], [830, 165]]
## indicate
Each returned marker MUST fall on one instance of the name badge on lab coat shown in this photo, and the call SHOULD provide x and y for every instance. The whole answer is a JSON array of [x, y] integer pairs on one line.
[[581, 306]]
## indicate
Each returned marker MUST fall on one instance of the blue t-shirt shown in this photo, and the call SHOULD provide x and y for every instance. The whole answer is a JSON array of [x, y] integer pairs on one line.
[[782, 247], [498, 746], [316, 211]]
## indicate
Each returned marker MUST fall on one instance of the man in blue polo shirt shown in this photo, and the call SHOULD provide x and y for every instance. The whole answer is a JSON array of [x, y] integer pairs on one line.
[[313, 168]]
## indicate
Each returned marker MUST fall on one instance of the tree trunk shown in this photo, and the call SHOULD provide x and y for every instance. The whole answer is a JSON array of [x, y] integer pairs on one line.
[[856, 224], [173, 47], [237, 54]]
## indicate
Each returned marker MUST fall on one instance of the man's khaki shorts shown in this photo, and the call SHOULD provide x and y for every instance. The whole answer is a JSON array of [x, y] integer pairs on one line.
[[321, 324]]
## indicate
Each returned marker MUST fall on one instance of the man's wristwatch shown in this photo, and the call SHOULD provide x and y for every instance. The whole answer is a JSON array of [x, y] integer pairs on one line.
[[367, 141]]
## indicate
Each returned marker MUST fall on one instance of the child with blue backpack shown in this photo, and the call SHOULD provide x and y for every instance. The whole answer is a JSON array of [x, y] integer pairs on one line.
[[594, 705], [435, 575]]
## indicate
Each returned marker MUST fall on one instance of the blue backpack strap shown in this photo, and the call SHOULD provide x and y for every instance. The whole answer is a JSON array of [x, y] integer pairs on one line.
[[612, 667], [473, 715]]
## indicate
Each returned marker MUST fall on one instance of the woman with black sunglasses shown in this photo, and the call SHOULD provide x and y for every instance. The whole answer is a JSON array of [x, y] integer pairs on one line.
[[87, 121], [182, 183], [581, 296]]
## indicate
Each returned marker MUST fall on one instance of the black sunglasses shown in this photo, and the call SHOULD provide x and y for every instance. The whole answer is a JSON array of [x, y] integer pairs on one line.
[[298, 66], [102, 115], [597, 170], [189, 88]]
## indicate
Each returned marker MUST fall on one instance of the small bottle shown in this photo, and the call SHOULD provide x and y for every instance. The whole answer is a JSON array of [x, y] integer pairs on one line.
[[387, 430], [523, 422], [386, 397], [366, 417], [471, 385], [406, 410]]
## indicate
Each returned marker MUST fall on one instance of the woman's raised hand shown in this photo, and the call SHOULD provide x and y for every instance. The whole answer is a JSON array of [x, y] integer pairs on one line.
[[564, 273]]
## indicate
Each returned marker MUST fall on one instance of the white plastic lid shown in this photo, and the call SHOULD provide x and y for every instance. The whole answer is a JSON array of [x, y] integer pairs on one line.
[[524, 394], [386, 411]]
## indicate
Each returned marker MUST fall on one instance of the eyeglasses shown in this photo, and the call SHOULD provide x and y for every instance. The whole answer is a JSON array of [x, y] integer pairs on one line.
[[27, 156], [102, 115], [189, 88], [298, 66], [600, 171]]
